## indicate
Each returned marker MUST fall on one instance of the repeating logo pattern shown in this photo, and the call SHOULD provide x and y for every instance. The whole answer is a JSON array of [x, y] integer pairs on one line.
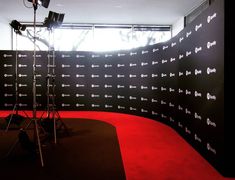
[[179, 82]]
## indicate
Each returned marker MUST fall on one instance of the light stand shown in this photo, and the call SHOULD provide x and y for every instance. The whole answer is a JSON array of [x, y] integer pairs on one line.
[[34, 118], [35, 5], [14, 117], [44, 3], [53, 20]]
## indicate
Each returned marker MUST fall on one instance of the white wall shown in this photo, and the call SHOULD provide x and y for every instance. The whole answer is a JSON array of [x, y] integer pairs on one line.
[[5, 35], [177, 26]]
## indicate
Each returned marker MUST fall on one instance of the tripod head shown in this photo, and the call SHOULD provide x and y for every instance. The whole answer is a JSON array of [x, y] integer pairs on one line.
[[17, 27], [44, 3]]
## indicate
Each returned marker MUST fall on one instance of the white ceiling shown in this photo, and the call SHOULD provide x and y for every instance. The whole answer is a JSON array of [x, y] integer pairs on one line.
[[159, 12]]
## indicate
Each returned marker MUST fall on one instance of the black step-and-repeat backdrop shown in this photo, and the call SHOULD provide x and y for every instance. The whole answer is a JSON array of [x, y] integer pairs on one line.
[[179, 82]]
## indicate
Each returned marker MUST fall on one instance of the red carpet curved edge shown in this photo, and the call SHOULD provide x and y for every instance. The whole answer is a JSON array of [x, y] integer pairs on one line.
[[150, 150]]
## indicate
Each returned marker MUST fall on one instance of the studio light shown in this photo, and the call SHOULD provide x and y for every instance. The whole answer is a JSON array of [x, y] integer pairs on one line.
[[53, 20], [17, 27], [44, 3]]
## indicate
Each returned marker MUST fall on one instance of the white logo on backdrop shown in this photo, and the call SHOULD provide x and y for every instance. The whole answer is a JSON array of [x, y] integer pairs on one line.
[[197, 138], [133, 53], [144, 52], [172, 59], [144, 64], [108, 96], [23, 85], [181, 56], [121, 97], [197, 71], [120, 54], [187, 111], [8, 75], [209, 18], [155, 50], [197, 116], [197, 49], [120, 65], [164, 47], [210, 123], [22, 65], [80, 75], [108, 86], [187, 92], [188, 34], [80, 56], [95, 66], [7, 65], [173, 44], [187, 130], [120, 76], [133, 64], [210, 44], [171, 105], [209, 148], [154, 113], [95, 85], [180, 108], [22, 55], [65, 66], [197, 27], [108, 65], [80, 105], [181, 39], [154, 101], [144, 75], [164, 61], [197, 94], [8, 95], [23, 75], [121, 107], [154, 62], [7, 55], [210, 97], [188, 53], [8, 85], [80, 66], [95, 56], [154, 88], [210, 71], [80, 95], [108, 55], [188, 73], [154, 75], [143, 87]]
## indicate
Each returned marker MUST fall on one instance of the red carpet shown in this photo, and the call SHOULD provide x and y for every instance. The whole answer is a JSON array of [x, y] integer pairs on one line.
[[151, 150]]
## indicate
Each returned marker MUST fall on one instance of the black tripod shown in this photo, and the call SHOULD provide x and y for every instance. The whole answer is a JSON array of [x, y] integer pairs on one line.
[[53, 121], [36, 122], [14, 117], [23, 135]]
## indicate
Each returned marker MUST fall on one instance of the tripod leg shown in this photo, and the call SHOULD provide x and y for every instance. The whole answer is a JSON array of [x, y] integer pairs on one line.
[[62, 124], [16, 142], [54, 119], [12, 148], [26, 115], [39, 142], [8, 125]]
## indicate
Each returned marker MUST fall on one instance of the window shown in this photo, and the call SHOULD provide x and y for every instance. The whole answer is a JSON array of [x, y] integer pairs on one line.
[[92, 37]]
